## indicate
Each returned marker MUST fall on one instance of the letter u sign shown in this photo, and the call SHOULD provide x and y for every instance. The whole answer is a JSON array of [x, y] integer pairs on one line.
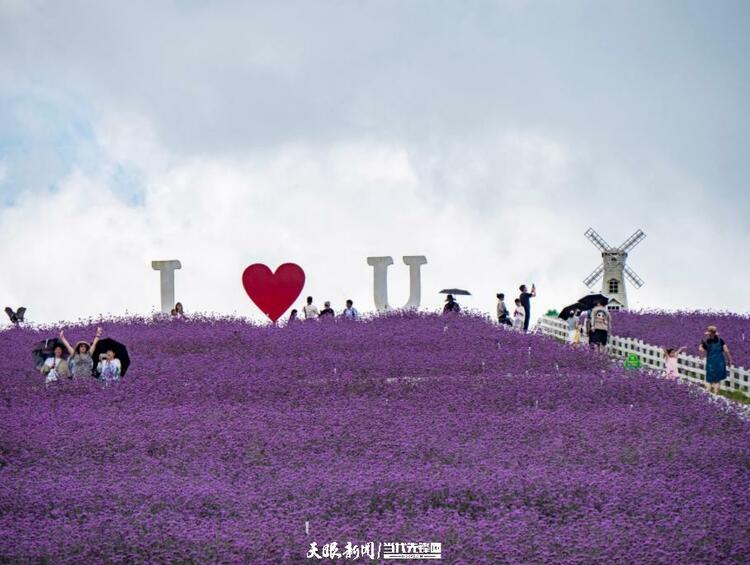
[[380, 286]]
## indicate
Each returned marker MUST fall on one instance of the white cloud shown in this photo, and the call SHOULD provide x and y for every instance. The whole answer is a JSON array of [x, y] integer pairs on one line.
[[223, 134]]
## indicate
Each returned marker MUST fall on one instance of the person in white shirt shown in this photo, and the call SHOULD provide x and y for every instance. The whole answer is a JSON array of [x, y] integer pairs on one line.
[[601, 325], [55, 367], [519, 316], [503, 315], [109, 367], [350, 312], [310, 310]]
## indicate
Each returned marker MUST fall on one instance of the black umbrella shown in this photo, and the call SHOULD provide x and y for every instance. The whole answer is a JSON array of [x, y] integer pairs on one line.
[[455, 291], [568, 311], [46, 349], [590, 301], [120, 351]]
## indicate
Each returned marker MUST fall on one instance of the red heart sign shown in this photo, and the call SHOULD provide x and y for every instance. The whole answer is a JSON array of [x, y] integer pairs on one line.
[[273, 293]]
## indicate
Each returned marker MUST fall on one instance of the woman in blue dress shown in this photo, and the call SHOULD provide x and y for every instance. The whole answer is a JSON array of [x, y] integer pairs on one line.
[[718, 358]]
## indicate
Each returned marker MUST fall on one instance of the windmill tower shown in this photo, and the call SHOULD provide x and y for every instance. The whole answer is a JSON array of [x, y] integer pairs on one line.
[[613, 271]]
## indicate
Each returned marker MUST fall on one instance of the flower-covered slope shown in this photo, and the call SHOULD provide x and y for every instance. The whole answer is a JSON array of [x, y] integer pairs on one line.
[[678, 329], [225, 438]]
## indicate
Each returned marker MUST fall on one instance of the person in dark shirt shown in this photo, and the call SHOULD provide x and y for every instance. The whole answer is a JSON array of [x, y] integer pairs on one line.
[[525, 299], [718, 358], [327, 310], [451, 305]]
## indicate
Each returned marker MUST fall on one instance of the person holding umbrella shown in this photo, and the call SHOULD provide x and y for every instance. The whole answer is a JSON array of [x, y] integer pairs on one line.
[[451, 305], [55, 367], [111, 355], [80, 360], [718, 357], [109, 366]]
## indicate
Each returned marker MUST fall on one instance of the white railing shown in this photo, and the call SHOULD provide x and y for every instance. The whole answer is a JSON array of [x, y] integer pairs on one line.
[[690, 367]]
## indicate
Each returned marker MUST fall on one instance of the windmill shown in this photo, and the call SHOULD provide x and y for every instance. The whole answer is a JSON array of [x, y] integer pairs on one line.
[[613, 271]]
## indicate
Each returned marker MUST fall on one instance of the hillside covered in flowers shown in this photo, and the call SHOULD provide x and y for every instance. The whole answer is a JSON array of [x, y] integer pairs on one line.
[[686, 329], [224, 439]]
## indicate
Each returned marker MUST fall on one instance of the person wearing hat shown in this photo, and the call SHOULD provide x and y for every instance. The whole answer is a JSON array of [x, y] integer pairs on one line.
[[451, 305], [80, 360], [718, 358]]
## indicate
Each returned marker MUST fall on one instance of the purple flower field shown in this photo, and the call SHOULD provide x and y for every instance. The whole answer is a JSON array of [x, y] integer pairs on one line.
[[677, 329], [224, 438]]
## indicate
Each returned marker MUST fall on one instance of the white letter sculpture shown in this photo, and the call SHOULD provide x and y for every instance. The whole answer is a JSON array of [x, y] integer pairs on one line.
[[380, 270], [167, 269]]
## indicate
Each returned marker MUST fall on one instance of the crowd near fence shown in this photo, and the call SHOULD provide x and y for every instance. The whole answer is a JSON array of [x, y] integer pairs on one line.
[[690, 367]]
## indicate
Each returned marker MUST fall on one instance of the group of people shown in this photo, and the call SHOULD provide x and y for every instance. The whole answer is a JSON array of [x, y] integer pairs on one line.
[[717, 354], [80, 362], [310, 311], [593, 325], [522, 312]]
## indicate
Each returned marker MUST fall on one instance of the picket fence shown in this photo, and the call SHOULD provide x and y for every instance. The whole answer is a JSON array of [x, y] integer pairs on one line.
[[690, 367]]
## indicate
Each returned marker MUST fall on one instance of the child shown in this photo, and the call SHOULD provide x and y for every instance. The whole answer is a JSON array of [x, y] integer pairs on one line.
[[670, 362], [519, 315]]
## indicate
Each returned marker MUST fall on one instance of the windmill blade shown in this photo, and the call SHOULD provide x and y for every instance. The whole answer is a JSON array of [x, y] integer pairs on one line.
[[633, 278], [594, 276], [632, 241], [597, 240]]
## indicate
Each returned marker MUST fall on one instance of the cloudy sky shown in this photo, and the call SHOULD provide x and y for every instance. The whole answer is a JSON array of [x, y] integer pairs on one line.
[[486, 135]]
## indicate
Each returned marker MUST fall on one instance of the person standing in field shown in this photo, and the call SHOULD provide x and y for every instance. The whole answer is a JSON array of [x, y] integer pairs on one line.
[[601, 325], [310, 310], [55, 367], [573, 335], [80, 362], [350, 312], [503, 314], [525, 299], [583, 326], [327, 311], [718, 357], [451, 305], [178, 311], [519, 316], [109, 367], [670, 362]]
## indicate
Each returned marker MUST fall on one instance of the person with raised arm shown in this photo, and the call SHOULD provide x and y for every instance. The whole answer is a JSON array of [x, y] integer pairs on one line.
[[109, 366], [671, 369], [80, 361]]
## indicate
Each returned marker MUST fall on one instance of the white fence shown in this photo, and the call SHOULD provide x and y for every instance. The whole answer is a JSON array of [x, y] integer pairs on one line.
[[690, 367]]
